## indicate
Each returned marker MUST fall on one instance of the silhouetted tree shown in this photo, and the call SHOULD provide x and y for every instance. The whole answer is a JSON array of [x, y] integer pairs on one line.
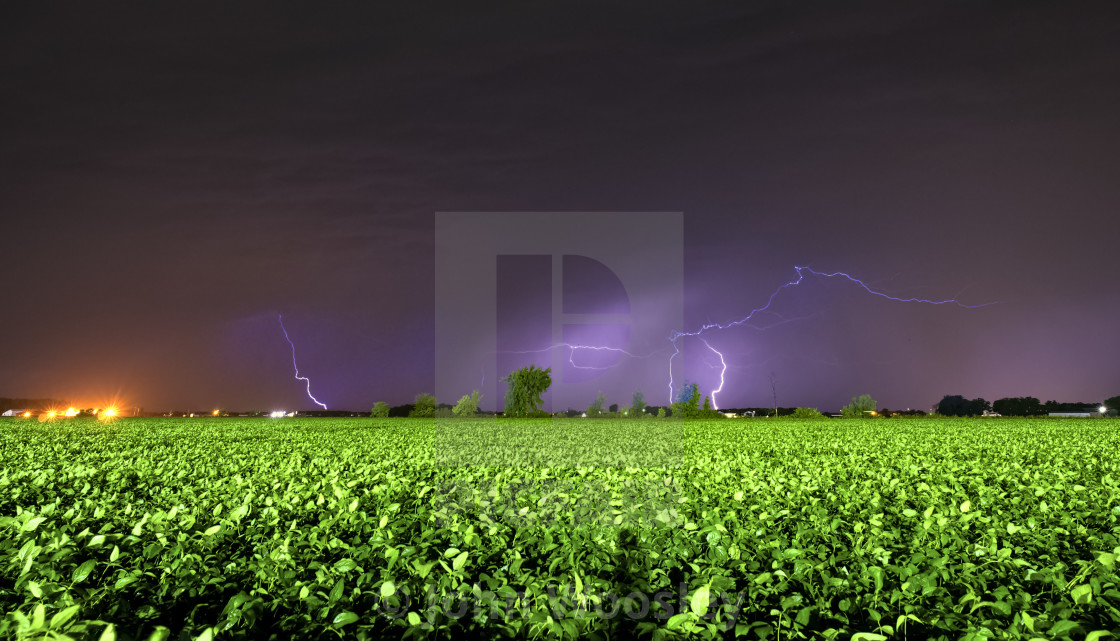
[[955, 405], [1019, 406], [977, 407], [380, 410]]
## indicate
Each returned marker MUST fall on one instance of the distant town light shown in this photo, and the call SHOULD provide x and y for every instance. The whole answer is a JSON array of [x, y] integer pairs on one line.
[[1103, 409], [215, 412], [278, 414], [27, 414], [111, 412], [71, 412]]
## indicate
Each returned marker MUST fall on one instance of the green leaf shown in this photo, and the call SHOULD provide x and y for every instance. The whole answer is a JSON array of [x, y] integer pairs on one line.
[[677, 621], [208, 633], [459, 561], [966, 506], [388, 589], [38, 616], [336, 592], [115, 554], [1107, 559], [699, 603], [1082, 594], [413, 618], [868, 636], [36, 591], [82, 571], [108, 634], [61, 617], [212, 530], [1003, 607], [344, 618], [1061, 627], [96, 541], [1098, 634], [33, 523]]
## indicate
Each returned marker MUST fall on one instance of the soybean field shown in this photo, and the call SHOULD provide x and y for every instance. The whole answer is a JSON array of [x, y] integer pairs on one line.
[[234, 528]]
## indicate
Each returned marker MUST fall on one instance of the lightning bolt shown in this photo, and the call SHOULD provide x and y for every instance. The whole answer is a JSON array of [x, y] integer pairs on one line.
[[722, 371], [675, 335], [572, 353], [296, 367]]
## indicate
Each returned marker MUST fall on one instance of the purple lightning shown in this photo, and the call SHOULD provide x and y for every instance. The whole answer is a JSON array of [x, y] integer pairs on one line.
[[797, 281], [721, 373], [296, 367], [572, 353], [675, 335]]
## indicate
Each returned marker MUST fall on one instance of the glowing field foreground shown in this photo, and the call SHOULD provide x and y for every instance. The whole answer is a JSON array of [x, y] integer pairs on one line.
[[761, 528]]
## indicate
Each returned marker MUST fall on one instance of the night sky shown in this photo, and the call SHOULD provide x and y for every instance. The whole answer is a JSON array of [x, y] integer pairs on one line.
[[174, 175]]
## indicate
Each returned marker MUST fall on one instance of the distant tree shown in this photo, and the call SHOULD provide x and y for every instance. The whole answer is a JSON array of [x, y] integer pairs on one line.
[[954, 405], [958, 405], [977, 407], [807, 412], [708, 411], [613, 408], [661, 412], [859, 407], [596, 406], [401, 410], [380, 410], [1019, 406], [467, 405], [689, 408], [424, 407], [525, 387], [1112, 404], [638, 405]]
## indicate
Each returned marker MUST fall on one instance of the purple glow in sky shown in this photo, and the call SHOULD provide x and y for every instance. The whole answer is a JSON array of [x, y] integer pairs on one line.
[[176, 174]]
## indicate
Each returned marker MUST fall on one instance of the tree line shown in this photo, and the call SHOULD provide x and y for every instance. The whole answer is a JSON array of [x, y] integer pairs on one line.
[[525, 388], [957, 405]]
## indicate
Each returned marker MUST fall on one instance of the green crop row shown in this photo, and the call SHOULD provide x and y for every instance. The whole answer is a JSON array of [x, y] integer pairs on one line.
[[408, 528]]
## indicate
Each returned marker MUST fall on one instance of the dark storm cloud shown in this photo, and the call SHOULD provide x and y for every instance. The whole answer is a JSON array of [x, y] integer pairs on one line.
[[178, 174]]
